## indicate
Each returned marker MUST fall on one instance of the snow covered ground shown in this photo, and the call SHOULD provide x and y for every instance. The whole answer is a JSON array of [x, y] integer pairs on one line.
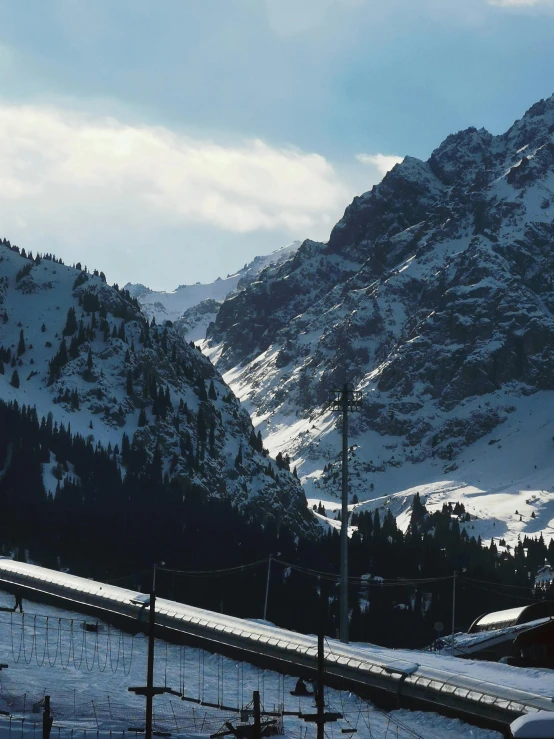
[[505, 480], [87, 674]]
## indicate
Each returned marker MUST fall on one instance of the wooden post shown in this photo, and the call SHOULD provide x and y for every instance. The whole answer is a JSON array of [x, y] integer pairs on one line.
[[257, 717], [150, 667], [46, 718], [320, 698]]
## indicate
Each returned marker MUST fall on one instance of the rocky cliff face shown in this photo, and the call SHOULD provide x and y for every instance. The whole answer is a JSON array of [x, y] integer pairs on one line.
[[82, 351], [434, 295]]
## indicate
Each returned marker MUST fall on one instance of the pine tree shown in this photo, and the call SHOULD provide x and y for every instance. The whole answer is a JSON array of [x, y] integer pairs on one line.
[[377, 523], [212, 393], [142, 418], [212, 437], [21, 345], [89, 360], [63, 357], [74, 348], [129, 386], [125, 449], [71, 323], [202, 394], [201, 427], [14, 382]]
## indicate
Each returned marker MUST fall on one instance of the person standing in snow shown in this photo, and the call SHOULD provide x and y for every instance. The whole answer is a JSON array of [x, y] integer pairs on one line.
[[18, 600]]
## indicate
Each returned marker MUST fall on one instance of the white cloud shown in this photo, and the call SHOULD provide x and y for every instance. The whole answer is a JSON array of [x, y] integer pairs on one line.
[[382, 162], [145, 203], [54, 157], [89, 188]]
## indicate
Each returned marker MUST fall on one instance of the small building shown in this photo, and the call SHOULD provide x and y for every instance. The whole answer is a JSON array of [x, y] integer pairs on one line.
[[520, 636], [534, 647]]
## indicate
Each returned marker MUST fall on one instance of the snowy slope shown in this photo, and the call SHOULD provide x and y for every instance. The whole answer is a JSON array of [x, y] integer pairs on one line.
[[197, 305], [110, 347], [87, 676], [435, 297]]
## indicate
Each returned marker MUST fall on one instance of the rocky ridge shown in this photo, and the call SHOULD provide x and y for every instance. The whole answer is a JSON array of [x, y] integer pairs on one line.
[[434, 295], [81, 350]]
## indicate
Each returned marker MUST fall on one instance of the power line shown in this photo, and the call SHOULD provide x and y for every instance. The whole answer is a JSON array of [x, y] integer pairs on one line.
[[361, 580], [209, 573], [499, 584], [513, 596], [128, 577]]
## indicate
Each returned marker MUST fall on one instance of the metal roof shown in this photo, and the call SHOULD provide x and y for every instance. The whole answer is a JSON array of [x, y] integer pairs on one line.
[[512, 617]]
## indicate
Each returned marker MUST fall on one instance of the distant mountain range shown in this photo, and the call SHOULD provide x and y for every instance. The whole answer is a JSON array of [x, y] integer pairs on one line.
[[194, 307]]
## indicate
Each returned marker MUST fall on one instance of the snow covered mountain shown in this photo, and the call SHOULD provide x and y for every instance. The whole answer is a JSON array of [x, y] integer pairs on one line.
[[194, 307], [435, 297], [82, 351]]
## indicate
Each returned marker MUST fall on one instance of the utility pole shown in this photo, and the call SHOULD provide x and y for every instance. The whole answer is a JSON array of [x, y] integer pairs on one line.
[[267, 588], [150, 691], [344, 400], [453, 608], [320, 718], [150, 663]]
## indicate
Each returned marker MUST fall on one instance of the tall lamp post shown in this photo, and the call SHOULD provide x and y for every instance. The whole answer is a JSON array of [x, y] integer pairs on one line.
[[346, 400]]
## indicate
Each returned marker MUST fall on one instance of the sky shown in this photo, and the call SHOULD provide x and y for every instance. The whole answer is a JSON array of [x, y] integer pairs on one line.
[[170, 142]]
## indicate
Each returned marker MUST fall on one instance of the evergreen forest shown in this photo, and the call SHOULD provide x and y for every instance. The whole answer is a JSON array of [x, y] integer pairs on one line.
[[115, 513]]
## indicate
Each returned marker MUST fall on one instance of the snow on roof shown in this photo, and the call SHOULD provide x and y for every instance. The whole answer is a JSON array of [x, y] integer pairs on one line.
[[512, 616], [493, 620], [468, 643]]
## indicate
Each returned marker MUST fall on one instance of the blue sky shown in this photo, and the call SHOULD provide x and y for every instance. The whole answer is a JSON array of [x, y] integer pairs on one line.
[[171, 141]]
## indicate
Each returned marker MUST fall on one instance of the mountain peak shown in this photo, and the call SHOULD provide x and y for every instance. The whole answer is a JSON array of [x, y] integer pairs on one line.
[[434, 295]]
